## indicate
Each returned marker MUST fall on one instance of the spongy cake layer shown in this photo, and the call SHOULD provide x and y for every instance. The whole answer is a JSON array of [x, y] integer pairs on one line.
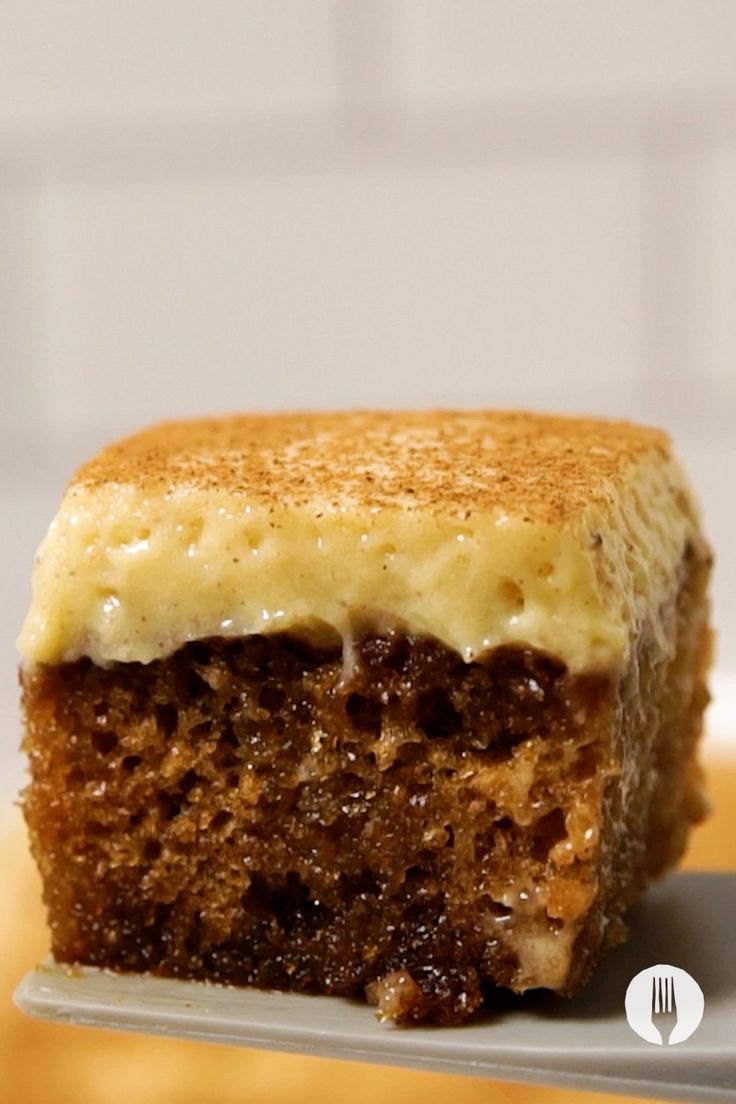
[[478, 528]]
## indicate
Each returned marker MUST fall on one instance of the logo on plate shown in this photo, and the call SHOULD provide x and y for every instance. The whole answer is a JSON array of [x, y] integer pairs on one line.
[[664, 1005]]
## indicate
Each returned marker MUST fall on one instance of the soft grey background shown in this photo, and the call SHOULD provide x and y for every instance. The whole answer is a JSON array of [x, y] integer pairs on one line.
[[206, 207]]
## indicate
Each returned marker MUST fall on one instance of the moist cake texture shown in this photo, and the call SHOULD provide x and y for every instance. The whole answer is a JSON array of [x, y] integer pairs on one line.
[[403, 705]]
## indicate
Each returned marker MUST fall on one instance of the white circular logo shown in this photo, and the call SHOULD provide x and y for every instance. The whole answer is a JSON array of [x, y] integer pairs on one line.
[[664, 1005]]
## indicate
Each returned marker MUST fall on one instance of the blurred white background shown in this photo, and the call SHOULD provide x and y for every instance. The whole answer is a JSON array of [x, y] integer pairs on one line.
[[331, 203]]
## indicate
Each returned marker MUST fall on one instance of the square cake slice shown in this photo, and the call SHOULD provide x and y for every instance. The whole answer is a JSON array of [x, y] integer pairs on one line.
[[395, 704]]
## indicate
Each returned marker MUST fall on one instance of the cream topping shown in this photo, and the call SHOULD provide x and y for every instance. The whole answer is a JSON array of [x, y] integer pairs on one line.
[[130, 573]]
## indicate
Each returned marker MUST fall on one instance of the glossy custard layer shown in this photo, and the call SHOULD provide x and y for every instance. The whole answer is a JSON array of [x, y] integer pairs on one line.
[[479, 529]]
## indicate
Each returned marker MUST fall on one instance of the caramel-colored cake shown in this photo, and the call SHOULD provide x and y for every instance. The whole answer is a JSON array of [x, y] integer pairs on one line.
[[396, 704]]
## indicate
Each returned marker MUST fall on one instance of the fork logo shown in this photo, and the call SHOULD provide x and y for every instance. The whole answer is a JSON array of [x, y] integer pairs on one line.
[[664, 1005]]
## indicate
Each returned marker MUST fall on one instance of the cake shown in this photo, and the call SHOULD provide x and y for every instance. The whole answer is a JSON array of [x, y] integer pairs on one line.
[[398, 705]]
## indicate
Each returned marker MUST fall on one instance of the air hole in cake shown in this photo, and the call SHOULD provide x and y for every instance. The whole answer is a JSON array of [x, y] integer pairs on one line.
[[130, 762], [303, 711], [104, 742], [390, 650], [414, 876], [199, 651], [193, 938], [319, 644], [365, 713], [585, 764], [422, 911], [227, 738], [189, 781], [167, 718], [363, 884], [224, 753], [200, 732], [436, 715], [351, 786], [151, 850], [196, 687], [505, 742], [271, 698], [220, 819], [548, 830], [287, 901], [409, 753], [426, 858], [495, 908], [162, 912]]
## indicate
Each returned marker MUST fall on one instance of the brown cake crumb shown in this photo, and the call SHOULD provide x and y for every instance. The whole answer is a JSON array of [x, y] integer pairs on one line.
[[442, 996]]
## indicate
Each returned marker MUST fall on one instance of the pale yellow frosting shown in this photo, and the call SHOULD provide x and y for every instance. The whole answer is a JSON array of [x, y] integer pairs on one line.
[[481, 529]]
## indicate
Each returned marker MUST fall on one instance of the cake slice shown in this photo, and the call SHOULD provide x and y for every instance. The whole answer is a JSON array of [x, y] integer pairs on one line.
[[396, 704]]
